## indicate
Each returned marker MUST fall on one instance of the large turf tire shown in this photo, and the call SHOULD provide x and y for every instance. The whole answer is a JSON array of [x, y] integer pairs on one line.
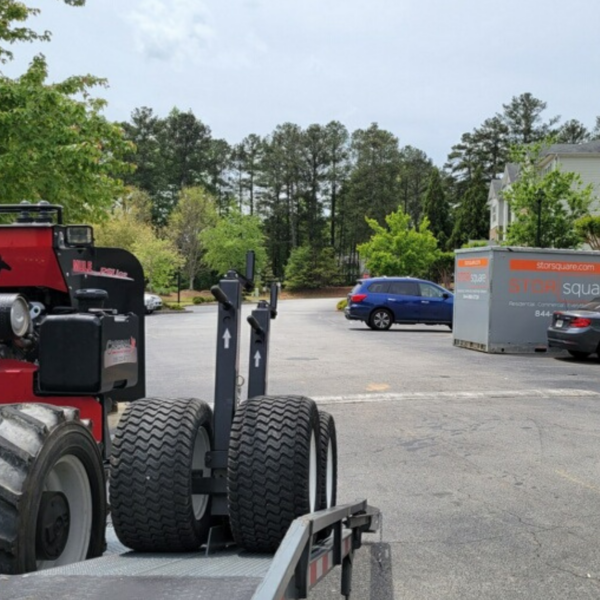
[[273, 468], [157, 444], [48, 449]]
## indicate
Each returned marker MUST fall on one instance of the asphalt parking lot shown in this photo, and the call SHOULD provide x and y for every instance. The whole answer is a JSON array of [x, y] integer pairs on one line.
[[485, 466]]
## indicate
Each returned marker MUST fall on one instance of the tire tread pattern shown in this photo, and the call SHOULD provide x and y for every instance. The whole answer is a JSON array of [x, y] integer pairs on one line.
[[150, 481], [24, 429], [268, 472]]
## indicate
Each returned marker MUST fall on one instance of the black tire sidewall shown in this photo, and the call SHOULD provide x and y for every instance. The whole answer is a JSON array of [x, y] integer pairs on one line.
[[69, 438], [270, 468], [327, 433], [146, 443]]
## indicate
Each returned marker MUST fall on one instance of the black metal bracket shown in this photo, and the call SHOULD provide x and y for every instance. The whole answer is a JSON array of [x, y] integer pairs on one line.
[[43, 209], [229, 295], [260, 322]]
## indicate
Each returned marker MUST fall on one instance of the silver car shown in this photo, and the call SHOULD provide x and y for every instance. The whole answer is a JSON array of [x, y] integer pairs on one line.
[[152, 303]]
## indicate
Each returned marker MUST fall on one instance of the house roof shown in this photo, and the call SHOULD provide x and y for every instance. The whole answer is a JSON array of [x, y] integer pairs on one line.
[[587, 148], [495, 187], [512, 171]]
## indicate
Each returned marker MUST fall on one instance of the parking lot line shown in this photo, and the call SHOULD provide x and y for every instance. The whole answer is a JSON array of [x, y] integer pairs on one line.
[[396, 397]]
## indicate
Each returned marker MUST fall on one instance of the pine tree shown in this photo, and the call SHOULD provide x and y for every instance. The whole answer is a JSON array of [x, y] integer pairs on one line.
[[472, 220], [436, 208]]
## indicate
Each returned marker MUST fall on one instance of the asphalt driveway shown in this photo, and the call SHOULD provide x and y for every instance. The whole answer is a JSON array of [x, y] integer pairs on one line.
[[485, 466]]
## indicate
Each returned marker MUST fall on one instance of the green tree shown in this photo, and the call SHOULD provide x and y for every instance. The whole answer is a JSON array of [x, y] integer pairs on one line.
[[472, 216], [123, 229], [160, 260], [195, 212], [486, 148], [588, 229], [337, 142], [523, 117], [12, 13], [54, 143], [572, 132], [219, 171], [144, 132], [312, 267], [227, 243], [415, 169], [436, 209], [315, 158], [442, 269], [282, 180], [246, 161], [399, 248], [372, 189], [545, 205], [129, 227]]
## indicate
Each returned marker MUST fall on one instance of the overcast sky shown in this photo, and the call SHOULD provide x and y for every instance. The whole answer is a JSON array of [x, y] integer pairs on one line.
[[426, 70]]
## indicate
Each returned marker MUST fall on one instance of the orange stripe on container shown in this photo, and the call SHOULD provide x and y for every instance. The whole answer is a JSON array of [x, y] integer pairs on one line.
[[472, 263], [555, 266]]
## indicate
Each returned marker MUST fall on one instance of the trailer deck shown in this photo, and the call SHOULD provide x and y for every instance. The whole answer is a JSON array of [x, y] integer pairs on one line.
[[228, 574]]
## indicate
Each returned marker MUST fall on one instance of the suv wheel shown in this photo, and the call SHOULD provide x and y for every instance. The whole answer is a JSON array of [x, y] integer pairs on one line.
[[381, 319]]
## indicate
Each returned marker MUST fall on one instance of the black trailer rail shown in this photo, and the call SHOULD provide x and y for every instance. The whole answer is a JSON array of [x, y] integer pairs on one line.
[[289, 574]]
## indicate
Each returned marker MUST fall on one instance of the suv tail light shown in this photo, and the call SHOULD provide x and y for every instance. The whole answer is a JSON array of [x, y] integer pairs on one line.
[[357, 298], [580, 322]]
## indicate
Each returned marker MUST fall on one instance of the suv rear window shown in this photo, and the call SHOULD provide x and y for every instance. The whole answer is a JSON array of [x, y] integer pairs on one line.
[[404, 288], [379, 287]]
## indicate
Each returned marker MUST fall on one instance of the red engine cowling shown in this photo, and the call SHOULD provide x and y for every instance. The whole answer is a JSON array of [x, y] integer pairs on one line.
[[51, 269]]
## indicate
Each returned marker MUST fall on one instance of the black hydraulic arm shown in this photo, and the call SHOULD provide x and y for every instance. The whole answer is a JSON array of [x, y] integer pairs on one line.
[[260, 320], [229, 295]]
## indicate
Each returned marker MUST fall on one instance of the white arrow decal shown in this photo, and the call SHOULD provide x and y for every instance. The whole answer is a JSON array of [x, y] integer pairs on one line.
[[226, 338], [257, 359]]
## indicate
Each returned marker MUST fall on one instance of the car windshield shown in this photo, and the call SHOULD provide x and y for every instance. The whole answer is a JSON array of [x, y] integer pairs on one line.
[[592, 305]]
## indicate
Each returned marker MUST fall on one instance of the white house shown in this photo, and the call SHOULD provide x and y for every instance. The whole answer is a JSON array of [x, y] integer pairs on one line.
[[578, 158]]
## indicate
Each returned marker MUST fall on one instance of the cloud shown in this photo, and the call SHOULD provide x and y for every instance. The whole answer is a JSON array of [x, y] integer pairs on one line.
[[172, 30]]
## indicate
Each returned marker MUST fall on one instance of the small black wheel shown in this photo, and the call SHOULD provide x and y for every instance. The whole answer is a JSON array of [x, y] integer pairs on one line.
[[273, 468], [579, 354], [52, 489], [381, 319], [157, 444], [327, 465]]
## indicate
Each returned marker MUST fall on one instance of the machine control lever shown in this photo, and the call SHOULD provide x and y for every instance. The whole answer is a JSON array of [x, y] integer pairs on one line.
[[221, 297], [255, 325]]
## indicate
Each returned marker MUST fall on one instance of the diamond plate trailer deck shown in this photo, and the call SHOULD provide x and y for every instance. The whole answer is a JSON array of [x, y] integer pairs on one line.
[[229, 574]]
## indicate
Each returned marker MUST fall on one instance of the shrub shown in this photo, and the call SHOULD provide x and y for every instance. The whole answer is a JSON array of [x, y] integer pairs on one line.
[[311, 268], [173, 306], [202, 299]]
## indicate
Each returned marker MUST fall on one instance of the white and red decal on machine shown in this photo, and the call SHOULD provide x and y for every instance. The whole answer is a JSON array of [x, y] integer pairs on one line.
[[85, 267], [119, 352]]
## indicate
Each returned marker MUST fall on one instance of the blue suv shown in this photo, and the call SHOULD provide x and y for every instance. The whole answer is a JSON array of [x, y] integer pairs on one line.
[[382, 301]]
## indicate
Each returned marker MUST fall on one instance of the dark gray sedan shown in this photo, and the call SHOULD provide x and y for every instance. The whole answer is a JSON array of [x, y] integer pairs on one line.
[[577, 330]]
